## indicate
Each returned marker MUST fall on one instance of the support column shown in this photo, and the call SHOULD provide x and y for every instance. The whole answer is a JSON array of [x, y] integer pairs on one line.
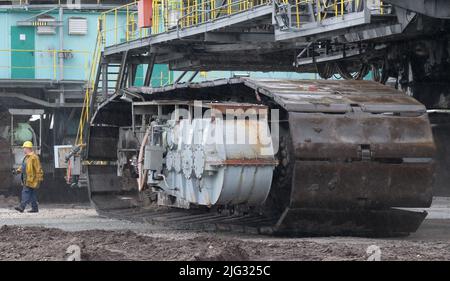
[[148, 74], [104, 81]]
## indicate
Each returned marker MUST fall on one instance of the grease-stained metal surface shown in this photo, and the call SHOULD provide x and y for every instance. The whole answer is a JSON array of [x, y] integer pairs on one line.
[[306, 95], [335, 96], [338, 185], [323, 136]]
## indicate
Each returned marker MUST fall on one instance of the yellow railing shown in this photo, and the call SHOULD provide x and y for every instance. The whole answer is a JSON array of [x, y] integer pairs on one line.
[[172, 14], [89, 89], [47, 65], [323, 9], [26, 2], [120, 25], [106, 35]]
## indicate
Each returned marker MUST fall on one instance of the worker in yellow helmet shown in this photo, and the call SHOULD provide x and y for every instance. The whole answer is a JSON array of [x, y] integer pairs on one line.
[[32, 176]]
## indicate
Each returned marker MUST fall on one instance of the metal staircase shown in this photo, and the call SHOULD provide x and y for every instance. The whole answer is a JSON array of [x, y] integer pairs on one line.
[[90, 91]]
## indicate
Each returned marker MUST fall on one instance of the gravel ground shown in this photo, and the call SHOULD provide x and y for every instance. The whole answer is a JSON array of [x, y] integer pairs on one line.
[[48, 235]]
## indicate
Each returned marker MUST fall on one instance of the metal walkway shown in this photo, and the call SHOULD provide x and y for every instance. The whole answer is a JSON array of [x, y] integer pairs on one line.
[[244, 35], [257, 14], [257, 34]]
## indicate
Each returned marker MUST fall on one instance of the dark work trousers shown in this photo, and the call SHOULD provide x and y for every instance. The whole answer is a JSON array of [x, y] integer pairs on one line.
[[29, 196]]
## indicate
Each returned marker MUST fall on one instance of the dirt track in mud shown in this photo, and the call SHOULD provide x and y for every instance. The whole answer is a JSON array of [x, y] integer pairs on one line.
[[48, 234], [39, 243]]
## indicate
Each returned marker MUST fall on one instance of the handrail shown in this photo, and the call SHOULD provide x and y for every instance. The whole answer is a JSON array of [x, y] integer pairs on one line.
[[88, 93], [339, 8], [96, 56], [54, 54], [191, 13], [229, 4], [26, 2], [198, 13]]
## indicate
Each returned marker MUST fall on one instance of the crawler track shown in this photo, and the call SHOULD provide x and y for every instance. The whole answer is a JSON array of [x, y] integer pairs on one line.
[[351, 153], [308, 222]]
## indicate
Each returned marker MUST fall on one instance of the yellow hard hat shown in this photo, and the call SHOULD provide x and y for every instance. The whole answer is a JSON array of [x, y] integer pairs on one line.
[[27, 144]]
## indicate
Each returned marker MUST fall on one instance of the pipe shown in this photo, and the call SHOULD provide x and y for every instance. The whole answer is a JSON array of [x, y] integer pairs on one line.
[[142, 175], [61, 49], [38, 101]]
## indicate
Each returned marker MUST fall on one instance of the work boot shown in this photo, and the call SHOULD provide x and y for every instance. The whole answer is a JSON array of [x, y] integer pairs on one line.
[[33, 211], [19, 209]]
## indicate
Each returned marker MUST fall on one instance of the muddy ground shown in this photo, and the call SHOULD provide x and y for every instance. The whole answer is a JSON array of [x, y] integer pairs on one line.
[[39, 243], [48, 235]]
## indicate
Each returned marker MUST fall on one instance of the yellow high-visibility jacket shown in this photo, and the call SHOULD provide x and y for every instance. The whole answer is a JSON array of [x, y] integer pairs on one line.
[[33, 173]]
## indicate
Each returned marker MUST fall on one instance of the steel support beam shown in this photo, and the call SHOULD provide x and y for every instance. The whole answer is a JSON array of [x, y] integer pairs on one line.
[[180, 77], [149, 72], [432, 8], [231, 37], [193, 76], [37, 101], [200, 29], [105, 81], [132, 69], [122, 71]]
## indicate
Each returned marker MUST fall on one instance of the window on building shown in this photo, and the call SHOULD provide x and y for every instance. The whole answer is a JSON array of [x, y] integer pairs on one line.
[[78, 26]]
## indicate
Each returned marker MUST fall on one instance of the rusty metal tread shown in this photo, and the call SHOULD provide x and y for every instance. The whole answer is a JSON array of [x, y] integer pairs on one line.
[[183, 216], [167, 217], [132, 212], [116, 213], [308, 95], [240, 218], [208, 219], [192, 218], [126, 211], [262, 222], [301, 224], [135, 213], [246, 219], [185, 220]]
